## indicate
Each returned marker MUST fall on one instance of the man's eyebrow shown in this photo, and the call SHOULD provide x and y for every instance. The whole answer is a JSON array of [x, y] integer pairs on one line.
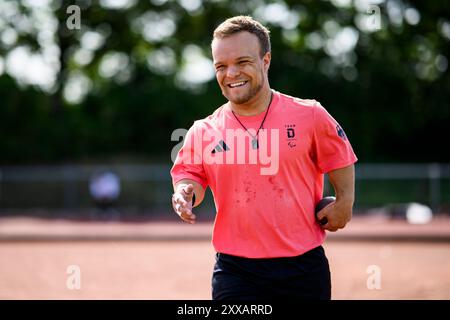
[[238, 58]]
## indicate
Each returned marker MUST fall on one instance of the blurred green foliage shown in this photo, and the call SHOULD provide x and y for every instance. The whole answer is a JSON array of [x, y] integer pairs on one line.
[[389, 91]]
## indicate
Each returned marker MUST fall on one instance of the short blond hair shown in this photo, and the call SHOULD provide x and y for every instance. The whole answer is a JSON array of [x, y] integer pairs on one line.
[[237, 24]]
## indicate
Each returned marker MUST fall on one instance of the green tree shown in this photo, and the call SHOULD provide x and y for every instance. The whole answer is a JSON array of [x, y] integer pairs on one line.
[[137, 70]]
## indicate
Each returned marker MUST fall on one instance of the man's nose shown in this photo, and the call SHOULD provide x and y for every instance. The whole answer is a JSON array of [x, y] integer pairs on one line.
[[233, 71]]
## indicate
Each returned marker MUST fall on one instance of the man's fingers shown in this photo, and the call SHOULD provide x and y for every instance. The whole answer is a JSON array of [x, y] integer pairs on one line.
[[188, 191], [322, 218], [328, 224], [321, 215], [323, 221], [329, 228], [181, 201], [186, 211], [324, 212], [332, 226], [179, 198], [188, 216], [183, 211], [189, 188]]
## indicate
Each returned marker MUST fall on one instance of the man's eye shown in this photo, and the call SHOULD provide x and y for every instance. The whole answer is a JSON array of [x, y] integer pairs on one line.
[[219, 68], [243, 61]]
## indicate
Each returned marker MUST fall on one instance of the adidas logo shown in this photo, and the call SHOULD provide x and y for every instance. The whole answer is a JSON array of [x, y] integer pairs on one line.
[[221, 147]]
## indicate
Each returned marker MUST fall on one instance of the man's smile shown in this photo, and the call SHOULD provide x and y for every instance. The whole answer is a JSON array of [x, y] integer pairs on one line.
[[236, 84]]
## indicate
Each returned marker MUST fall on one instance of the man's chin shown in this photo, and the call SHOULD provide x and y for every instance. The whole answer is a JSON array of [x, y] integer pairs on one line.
[[238, 99]]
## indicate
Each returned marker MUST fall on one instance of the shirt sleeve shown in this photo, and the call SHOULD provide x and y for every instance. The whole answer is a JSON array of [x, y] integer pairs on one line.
[[188, 163], [332, 147]]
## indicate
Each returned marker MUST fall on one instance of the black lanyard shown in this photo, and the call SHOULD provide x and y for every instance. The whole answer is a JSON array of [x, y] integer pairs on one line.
[[255, 143]]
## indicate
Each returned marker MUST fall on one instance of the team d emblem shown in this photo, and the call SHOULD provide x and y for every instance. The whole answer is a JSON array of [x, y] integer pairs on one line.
[[290, 133]]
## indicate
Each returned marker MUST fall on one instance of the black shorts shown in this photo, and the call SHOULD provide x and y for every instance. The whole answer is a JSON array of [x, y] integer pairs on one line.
[[306, 276]]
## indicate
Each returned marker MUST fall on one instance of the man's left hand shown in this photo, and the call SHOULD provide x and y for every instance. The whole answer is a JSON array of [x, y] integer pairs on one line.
[[338, 215]]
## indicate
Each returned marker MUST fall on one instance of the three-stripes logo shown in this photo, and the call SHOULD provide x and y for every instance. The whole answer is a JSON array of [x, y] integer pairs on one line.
[[220, 147]]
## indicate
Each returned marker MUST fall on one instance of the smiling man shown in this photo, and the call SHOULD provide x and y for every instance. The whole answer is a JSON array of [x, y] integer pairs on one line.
[[266, 235]]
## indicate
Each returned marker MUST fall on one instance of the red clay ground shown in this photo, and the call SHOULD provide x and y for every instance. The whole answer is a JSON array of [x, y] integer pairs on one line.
[[127, 264]]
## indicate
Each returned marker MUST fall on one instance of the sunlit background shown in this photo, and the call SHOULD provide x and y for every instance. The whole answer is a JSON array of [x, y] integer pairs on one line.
[[92, 87]]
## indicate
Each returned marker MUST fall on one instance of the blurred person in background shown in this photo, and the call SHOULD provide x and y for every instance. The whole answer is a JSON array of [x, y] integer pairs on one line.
[[104, 188]]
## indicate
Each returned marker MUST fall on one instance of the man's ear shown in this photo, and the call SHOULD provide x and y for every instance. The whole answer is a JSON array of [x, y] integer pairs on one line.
[[266, 60]]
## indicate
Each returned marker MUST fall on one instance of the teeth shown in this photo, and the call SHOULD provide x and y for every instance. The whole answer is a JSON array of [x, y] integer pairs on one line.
[[237, 84]]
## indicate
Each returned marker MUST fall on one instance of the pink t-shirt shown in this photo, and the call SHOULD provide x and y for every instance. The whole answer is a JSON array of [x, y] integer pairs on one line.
[[265, 196]]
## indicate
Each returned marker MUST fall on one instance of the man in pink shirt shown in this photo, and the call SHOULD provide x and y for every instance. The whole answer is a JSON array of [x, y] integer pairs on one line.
[[264, 155]]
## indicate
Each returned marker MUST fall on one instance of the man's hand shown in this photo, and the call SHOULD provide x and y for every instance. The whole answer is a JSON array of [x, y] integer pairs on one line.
[[182, 202], [337, 213]]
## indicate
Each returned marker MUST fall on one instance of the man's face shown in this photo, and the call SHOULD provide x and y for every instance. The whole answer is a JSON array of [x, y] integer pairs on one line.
[[240, 70]]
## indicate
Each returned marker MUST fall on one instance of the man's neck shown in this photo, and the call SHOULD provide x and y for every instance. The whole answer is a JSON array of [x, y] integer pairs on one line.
[[255, 106]]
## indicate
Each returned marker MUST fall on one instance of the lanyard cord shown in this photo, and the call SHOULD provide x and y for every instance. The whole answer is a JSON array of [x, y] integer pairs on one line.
[[262, 123]]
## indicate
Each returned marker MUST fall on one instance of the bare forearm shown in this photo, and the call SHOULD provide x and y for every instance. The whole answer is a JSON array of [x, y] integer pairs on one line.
[[343, 181]]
